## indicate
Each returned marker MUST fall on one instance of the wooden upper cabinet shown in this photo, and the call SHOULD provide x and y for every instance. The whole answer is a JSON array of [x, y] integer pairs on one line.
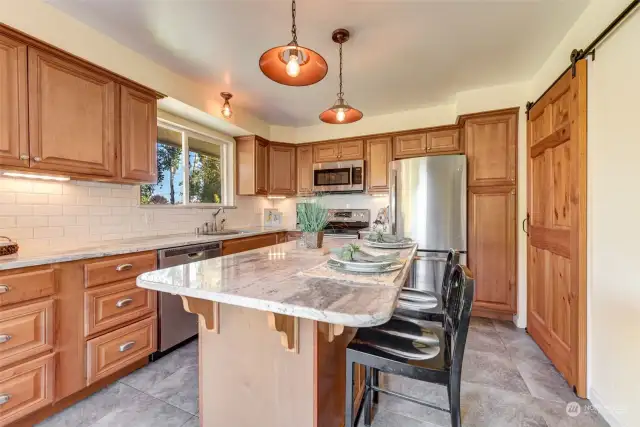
[[492, 247], [446, 141], [326, 152], [351, 150], [379, 154], [72, 123], [410, 145], [138, 135], [491, 146], [14, 143], [252, 166], [282, 174], [304, 164], [338, 151]]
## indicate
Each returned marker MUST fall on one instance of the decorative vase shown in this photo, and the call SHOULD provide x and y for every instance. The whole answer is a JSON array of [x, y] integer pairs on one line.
[[313, 240]]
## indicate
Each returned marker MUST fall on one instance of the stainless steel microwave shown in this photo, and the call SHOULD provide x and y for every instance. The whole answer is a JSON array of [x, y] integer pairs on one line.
[[338, 177]]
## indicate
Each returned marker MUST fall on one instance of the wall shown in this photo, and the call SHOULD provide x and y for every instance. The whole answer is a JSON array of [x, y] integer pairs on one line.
[[613, 210], [47, 23], [45, 215]]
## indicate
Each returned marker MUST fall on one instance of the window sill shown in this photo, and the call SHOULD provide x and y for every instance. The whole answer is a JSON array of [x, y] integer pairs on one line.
[[189, 206]]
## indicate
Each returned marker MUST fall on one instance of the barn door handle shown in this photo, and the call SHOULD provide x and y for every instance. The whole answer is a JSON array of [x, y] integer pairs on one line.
[[525, 228]]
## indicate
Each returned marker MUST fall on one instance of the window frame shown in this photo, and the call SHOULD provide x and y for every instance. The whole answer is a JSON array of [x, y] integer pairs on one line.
[[227, 198]]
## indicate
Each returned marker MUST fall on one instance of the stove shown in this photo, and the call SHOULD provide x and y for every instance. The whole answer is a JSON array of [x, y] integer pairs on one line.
[[346, 223]]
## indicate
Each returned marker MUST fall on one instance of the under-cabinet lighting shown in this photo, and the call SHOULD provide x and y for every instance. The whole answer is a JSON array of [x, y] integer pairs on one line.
[[380, 195], [34, 176], [276, 197]]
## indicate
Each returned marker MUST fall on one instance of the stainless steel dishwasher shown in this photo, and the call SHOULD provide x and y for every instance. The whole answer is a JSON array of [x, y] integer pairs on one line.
[[174, 324]]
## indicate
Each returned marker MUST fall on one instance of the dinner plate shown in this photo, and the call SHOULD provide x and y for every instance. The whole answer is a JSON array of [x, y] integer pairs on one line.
[[380, 245], [375, 264], [363, 270], [409, 295]]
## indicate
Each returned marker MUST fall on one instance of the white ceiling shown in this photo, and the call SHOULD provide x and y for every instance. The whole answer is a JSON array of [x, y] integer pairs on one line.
[[402, 54]]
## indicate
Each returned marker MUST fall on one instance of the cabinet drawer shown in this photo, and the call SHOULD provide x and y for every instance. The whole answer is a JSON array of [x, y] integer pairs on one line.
[[109, 306], [115, 350], [118, 268], [25, 331], [26, 285], [26, 388]]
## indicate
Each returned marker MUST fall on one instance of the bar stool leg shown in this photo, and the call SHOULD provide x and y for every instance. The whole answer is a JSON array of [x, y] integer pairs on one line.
[[348, 407], [454, 400], [376, 382], [368, 396]]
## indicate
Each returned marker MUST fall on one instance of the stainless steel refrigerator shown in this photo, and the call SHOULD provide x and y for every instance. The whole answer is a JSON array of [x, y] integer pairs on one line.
[[428, 203]]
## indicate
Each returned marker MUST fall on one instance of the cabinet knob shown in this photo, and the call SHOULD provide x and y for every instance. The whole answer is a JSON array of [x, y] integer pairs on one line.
[[24, 157], [4, 398], [4, 338], [127, 346], [37, 159]]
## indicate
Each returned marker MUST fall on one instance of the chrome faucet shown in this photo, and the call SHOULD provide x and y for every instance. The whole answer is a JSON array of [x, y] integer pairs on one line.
[[215, 220]]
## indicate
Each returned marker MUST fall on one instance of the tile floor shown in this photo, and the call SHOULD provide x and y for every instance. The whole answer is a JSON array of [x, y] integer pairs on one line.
[[507, 382]]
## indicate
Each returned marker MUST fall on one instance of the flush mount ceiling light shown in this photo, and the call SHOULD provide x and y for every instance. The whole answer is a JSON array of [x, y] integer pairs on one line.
[[293, 65], [341, 112], [226, 107]]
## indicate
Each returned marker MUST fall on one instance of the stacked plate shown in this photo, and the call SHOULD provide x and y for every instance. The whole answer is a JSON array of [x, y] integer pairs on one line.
[[389, 242], [366, 267]]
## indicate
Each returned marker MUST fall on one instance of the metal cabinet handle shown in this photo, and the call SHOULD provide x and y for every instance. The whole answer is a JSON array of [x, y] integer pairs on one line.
[[4, 289], [4, 398], [525, 228], [127, 346], [37, 159], [124, 267], [195, 255], [4, 338], [124, 302], [24, 157]]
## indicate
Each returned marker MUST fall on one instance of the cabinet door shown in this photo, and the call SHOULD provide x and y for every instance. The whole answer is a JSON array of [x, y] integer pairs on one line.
[[492, 247], [14, 145], [262, 166], [71, 117], [305, 169], [282, 175], [138, 135], [378, 158], [491, 149], [351, 150], [326, 152], [413, 145], [443, 142]]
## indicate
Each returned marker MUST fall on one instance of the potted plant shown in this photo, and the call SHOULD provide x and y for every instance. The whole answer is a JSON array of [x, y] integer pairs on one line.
[[312, 218]]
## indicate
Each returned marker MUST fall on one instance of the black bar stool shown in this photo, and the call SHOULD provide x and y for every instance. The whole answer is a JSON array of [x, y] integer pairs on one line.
[[419, 358]]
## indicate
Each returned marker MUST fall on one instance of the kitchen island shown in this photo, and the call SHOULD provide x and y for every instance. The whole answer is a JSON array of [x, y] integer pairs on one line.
[[274, 324]]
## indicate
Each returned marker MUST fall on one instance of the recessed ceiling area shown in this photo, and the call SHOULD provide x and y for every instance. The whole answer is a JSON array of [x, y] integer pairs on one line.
[[401, 55]]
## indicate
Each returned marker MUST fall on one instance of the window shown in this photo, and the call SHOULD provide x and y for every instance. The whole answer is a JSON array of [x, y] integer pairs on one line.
[[192, 169]]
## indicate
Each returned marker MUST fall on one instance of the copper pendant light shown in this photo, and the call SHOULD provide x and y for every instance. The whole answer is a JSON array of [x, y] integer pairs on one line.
[[341, 112], [293, 65]]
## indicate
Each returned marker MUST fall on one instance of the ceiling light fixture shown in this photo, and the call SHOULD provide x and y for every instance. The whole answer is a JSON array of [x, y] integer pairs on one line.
[[34, 176], [226, 107], [293, 65], [341, 112]]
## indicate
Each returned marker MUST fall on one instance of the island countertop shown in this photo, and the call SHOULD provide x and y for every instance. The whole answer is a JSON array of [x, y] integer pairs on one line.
[[273, 279]]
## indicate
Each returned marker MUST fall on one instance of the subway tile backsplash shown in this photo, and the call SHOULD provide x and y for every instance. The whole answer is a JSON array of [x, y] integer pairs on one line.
[[53, 215]]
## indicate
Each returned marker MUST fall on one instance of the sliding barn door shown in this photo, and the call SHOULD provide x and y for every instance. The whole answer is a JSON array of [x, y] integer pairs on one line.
[[557, 225]]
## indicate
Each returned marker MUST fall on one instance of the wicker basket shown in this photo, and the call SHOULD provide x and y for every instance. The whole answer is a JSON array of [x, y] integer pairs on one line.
[[8, 247]]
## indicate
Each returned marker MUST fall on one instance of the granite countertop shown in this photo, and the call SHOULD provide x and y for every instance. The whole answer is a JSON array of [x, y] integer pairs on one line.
[[272, 279], [119, 247]]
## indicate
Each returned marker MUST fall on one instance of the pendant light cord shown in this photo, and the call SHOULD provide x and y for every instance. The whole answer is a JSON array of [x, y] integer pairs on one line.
[[294, 29], [340, 94]]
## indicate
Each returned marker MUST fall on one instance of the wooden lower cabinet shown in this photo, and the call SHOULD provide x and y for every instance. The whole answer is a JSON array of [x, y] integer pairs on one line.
[[26, 331], [492, 249], [235, 246], [26, 388], [115, 350]]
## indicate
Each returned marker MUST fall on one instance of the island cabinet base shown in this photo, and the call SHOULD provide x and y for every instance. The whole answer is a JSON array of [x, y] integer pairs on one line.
[[247, 377]]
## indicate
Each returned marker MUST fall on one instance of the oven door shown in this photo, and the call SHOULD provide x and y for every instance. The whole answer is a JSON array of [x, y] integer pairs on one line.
[[332, 177]]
